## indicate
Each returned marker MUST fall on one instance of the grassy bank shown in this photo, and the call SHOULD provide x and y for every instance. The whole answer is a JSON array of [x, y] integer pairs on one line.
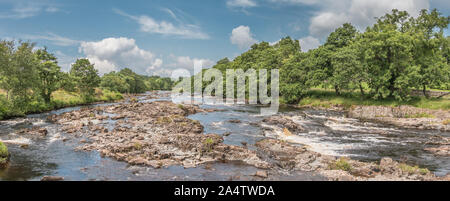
[[327, 98], [60, 99]]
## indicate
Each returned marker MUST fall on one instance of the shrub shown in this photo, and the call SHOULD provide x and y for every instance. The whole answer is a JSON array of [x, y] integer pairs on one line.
[[341, 164], [4, 155], [413, 169]]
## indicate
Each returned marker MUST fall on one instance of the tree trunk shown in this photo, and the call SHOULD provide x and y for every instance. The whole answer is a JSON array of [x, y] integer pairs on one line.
[[424, 90], [361, 89], [47, 98], [338, 92]]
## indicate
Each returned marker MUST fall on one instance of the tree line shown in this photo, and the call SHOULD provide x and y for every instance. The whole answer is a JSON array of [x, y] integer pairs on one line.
[[397, 54], [29, 77]]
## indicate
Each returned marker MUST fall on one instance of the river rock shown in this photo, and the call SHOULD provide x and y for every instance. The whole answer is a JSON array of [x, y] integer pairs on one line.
[[235, 121], [35, 131], [52, 178], [403, 116], [156, 134], [262, 174], [284, 122]]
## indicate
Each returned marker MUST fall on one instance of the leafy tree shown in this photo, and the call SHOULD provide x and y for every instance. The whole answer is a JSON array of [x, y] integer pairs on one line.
[[347, 68], [334, 73], [23, 72], [115, 82], [429, 49], [387, 53], [49, 74], [6, 66], [135, 81], [86, 77]]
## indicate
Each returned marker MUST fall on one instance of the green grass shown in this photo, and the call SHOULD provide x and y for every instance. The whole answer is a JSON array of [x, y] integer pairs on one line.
[[60, 99], [327, 98]]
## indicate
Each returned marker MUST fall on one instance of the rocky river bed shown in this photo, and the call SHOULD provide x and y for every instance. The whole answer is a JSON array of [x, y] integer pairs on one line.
[[152, 138]]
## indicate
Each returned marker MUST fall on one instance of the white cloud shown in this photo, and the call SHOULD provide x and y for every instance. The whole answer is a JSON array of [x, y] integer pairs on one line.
[[325, 23], [308, 43], [113, 54], [53, 38], [150, 25], [307, 2], [361, 13], [241, 3], [242, 37], [182, 62], [156, 64], [20, 9]]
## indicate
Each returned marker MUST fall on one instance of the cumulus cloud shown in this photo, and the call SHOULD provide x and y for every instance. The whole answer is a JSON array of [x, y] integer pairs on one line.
[[326, 22], [150, 25], [113, 54], [308, 43], [242, 37], [361, 13], [155, 66], [180, 64]]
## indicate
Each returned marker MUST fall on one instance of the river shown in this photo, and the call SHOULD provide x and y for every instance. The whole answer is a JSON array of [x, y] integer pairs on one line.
[[328, 132]]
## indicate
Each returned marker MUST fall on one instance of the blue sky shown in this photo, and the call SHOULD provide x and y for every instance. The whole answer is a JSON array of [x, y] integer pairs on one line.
[[158, 36]]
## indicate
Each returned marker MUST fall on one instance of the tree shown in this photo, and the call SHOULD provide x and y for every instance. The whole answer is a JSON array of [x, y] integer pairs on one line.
[[387, 49], [23, 74], [86, 77], [6, 66], [334, 72], [342, 36], [135, 81], [347, 68], [49, 74], [115, 82], [429, 49]]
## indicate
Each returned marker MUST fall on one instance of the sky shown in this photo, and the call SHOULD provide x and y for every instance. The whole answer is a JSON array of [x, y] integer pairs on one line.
[[158, 36]]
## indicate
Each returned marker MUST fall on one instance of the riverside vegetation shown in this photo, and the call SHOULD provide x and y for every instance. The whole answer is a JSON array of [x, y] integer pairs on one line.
[[31, 81], [383, 65]]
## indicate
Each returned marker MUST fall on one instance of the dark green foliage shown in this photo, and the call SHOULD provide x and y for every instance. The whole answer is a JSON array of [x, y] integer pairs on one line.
[[127, 81], [86, 77], [49, 74]]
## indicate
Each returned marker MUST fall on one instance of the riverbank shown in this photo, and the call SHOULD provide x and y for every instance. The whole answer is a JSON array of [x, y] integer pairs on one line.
[[419, 112], [328, 99], [60, 99]]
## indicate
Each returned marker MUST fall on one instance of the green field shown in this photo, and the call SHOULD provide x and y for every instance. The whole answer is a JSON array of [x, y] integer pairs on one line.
[[60, 99]]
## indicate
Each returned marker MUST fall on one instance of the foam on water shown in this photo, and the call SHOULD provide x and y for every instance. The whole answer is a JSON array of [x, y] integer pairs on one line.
[[18, 141]]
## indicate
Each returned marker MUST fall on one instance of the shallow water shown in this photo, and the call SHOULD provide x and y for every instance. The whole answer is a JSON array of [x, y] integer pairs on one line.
[[327, 132]]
